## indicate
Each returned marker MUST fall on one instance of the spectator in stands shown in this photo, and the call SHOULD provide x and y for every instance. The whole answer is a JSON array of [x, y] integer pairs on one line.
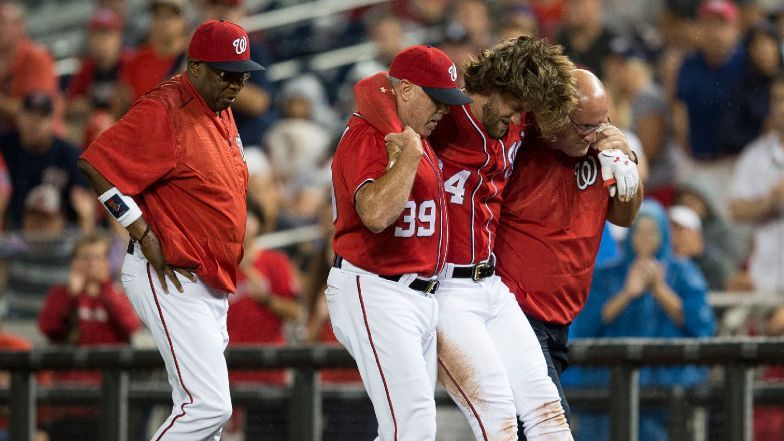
[[298, 145], [264, 190], [518, 20], [162, 56], [679, 34], [387, 33], [38, 255], [549, 15], [757, 197], [647, 293], [93, 86], [744, 116], [89, 310], [24, 65], [472, 18], [35, 156], [688, 242], [427, 13], [716, 229], [266, 299], [584, 37], [705, 81], [643, 109], [251, 108]]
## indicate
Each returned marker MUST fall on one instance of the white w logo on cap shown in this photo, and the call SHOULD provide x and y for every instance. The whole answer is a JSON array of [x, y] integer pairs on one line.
[[240, 45], [453, 72]]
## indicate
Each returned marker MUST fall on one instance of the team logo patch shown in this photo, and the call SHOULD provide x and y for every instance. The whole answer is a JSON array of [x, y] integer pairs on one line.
[[453, 72], [240, 45], [586, 172], [238, 140], [116, 206], [511, 154]]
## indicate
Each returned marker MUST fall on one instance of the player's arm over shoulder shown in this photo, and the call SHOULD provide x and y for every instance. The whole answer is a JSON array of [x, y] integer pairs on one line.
[[378, 190], [379, 203]]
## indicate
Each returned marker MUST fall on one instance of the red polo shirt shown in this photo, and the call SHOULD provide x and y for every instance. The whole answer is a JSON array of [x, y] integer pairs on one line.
[[183, 164]]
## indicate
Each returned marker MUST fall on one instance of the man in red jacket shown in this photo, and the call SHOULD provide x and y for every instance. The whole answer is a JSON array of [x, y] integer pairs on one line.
[[172, 171]]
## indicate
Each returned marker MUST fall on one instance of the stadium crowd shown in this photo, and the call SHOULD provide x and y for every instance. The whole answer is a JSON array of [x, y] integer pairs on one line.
[[697, 86]]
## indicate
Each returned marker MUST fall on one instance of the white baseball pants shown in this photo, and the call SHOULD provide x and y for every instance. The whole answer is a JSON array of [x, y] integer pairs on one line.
[[390, 330], [189, 329], [492, 365]]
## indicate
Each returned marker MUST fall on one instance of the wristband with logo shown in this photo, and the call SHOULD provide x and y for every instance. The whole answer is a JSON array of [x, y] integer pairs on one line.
[[121, 207]]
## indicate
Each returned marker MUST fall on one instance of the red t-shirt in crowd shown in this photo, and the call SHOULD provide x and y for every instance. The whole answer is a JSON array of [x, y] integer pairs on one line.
[[250, 322], [107, 319], [184, 165], [551, 225], [417, 241], [84, 80], [476, 168], [145, 69]]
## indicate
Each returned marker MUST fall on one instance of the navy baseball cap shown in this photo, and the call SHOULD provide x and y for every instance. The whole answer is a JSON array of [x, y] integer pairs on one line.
[[432, 70], [222, 45]]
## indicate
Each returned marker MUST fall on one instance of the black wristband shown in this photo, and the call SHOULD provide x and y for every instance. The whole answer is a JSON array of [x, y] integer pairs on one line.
[[146, 231]]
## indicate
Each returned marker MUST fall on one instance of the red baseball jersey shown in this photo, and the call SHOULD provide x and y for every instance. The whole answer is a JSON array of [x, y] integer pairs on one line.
[[416, 242], [551, 225], [183, 164], [476, 168]]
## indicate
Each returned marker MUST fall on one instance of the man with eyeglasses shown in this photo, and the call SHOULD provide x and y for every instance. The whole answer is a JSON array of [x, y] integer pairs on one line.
[[562, 190], [172, 171]]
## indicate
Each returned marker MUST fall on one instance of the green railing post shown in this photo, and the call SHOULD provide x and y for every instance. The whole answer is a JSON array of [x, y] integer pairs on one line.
[[624, 403], [21, 426]]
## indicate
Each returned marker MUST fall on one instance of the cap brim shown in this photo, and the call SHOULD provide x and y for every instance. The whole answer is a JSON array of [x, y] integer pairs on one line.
[[453, 97], [237, 66]]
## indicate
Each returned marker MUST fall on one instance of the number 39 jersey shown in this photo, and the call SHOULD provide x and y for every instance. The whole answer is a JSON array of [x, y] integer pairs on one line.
[[417, 241], [476, 168]]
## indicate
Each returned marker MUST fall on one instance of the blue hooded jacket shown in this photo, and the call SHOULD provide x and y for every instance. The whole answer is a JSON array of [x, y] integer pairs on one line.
[[644, 316]]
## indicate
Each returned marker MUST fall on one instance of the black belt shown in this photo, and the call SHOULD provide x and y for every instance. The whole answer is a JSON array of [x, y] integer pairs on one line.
[[427, 286], [476, 273]]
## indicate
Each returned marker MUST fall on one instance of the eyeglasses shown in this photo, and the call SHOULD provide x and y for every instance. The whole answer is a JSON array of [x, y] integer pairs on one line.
[[585, 129], [231, 77]]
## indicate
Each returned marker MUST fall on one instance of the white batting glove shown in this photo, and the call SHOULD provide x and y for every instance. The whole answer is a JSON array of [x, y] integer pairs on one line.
[[619, 174]]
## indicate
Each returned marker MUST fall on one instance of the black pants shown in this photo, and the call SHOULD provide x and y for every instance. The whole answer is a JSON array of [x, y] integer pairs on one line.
[[553, 339]]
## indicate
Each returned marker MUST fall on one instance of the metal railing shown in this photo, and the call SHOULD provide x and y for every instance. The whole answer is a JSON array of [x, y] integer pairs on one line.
[[625, 357]]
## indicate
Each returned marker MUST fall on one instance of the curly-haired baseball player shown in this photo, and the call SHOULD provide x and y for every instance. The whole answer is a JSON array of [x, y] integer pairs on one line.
[[490, 361]]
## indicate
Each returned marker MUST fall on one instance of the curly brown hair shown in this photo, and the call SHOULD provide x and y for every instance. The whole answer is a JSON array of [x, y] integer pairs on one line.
[[531, 69]]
